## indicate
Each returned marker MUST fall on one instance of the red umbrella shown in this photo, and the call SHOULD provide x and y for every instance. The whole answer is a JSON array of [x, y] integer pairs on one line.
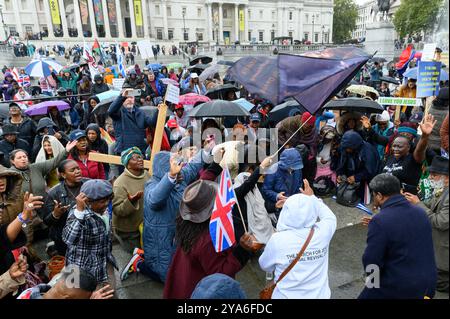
[[192, 99]]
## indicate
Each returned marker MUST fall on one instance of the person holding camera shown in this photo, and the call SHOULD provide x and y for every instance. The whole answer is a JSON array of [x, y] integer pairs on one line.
[[129, 121]]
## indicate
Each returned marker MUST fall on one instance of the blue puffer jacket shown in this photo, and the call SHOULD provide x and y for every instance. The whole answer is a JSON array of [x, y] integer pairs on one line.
[[282, 180], [161, 203], [129, 127]]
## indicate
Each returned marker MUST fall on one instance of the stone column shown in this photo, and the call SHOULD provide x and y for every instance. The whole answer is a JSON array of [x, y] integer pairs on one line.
[[36, 17], [165, 26], [132, 19], [76, 10], [209, 22], [221, 23], [236, 22], [106, 19], [300, 24], [280, 22], [48, 18], [145, 18], [246, 24], [330, 37], [92, 19], [62, 13], [18, 21], [119, 19]]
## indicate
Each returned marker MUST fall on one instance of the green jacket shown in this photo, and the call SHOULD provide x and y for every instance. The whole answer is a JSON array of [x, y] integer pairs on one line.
[[70, 83], [34, 177]]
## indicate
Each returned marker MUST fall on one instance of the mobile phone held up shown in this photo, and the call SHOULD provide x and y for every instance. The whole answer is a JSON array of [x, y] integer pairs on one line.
[[135, 92]]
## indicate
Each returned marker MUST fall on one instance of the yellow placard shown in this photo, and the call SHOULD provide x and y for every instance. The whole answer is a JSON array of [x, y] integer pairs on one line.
[[241, 20], [138, 12], [54, 11]]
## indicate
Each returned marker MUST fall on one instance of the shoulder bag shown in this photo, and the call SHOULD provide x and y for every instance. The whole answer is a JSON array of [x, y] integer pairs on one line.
[[267, 292]]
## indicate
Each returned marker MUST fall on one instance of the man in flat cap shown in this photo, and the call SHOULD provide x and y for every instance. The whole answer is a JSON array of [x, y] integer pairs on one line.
[[87, 233]]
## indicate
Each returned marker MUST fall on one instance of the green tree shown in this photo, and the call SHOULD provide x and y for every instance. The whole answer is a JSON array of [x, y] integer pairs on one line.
[[344, 20], [414, 16]]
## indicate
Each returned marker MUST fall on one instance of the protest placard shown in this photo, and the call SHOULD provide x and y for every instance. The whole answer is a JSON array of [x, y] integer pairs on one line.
[[428, 74], [118, 83], [173, 94], [399, 101], [428, 52]]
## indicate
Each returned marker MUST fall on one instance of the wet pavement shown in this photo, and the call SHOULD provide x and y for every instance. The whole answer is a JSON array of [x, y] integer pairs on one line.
[[345, 263]]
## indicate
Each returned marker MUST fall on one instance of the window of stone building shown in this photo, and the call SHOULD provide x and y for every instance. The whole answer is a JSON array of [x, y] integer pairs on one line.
[[199, 12], [8, 6], [157, 10], [290, 15], [159, 34], [199, 36], [290, 34], [249, 35], [316, 37], [169, 11], [306, 36], [186, 35], [249, 14], [225, 13], [306, 18], [12, 29], [170, 34], [24, 4], [41, 5], [29, 29], [261, 36], [274, 15], [261, 14]]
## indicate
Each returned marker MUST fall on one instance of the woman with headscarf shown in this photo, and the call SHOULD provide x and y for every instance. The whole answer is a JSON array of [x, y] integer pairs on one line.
[[88, 116], [6, 85], [51, 147], [297, 223]]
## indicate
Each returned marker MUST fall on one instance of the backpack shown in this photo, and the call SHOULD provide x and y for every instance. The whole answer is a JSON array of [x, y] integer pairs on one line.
[[346, 194], [323, 186]]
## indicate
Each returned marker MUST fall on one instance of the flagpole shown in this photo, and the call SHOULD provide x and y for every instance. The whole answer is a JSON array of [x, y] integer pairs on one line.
[[292, 135], [237, 203]]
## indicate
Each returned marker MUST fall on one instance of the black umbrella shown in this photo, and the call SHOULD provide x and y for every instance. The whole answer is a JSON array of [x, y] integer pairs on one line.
[[103, 106], [284, 110], [389, 79], [198, 68], [204, 60], [355, 104], [378, 59], [224, 62], [219, 108], [153, 110], [220, 91]]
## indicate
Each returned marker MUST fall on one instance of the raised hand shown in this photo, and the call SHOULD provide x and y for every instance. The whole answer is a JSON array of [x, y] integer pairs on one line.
[[58, 210], [30, 203], [81, 202], [365, 122], [19, 268], [427, 124], [307, 190], [103, 293], [70, 146], [175, 167]]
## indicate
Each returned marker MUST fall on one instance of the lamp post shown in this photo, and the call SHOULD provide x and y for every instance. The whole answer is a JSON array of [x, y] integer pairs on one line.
[[312, 36], [3, 22], [323, 29]]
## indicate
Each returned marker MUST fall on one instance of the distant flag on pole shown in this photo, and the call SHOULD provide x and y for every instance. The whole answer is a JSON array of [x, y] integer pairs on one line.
[[87, 54], [97, 49], [221, 226]]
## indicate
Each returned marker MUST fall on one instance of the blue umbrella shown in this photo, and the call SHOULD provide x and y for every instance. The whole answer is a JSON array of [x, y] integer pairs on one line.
[[244, 103], [154, 66], [108, 95], [42, 68], [412, 74]]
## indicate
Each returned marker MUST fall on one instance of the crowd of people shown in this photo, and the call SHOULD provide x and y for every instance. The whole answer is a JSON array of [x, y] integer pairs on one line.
[[52, 189]]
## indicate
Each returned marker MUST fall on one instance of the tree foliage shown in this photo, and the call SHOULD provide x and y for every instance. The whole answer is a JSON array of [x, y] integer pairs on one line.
[[344, 20], [414, 16]]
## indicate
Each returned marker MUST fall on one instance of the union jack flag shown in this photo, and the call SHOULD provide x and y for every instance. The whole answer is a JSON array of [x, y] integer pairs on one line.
[[221, 226]]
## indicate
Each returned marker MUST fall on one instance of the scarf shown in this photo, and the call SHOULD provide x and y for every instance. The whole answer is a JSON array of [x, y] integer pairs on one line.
[[259, 222]]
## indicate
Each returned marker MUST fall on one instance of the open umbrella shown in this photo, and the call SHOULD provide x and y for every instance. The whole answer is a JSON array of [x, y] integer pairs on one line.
[[153, 110], [167, 81], [111, 94], [154, 66], [311, 78], [244, 103], [42, 108], [362, 90], [198, 68], [209, 72], [224, 62], [389, 79], [201, 58], [220, 91], [219, 108], [42, 68], [378, 59], [192, 99], [289, 108], [412, 74], [175, 66], [355, 104]]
